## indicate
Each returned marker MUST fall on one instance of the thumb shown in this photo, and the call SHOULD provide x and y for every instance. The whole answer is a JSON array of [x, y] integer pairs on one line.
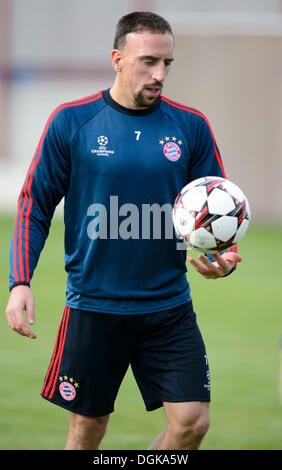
[[232, 257], [30, 316]]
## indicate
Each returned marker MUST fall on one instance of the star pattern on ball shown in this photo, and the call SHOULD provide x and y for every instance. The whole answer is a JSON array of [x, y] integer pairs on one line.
[[211, 214]]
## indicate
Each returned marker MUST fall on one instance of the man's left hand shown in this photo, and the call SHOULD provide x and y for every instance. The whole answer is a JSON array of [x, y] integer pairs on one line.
[[221, 266]]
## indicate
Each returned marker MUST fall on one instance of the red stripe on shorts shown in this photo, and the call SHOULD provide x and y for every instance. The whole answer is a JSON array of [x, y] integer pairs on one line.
[[54, 367]]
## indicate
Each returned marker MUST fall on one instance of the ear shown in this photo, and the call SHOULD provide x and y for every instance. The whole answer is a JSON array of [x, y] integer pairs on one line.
[[116, 59]]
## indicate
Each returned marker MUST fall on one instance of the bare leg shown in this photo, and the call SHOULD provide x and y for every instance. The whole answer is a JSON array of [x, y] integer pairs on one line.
[[188, 423], [86, 432], [157, 441]]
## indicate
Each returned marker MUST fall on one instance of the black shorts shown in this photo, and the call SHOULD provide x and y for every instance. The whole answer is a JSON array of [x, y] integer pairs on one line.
[[93, 352]]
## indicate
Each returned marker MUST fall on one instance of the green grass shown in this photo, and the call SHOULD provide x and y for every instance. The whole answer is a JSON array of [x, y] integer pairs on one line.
[[240, 319]]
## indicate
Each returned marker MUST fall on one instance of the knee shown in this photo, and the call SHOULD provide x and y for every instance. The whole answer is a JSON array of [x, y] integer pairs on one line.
[[191, 428], [200, 426], [87, 425]]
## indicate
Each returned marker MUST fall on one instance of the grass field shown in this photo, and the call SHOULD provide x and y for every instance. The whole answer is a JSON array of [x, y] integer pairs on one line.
[[240, 318]]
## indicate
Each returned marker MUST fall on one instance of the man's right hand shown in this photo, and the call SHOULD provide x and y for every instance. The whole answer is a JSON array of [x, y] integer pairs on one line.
[[21, 299]]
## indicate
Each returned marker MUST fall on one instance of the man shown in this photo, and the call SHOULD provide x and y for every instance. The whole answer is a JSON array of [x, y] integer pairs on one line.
[[128, 301]]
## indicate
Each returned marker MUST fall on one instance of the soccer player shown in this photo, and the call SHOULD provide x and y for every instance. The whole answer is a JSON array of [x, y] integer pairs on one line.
[[115, 157]]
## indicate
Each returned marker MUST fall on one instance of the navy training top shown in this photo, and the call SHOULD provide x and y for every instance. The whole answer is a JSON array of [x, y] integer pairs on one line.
[[119, 171]]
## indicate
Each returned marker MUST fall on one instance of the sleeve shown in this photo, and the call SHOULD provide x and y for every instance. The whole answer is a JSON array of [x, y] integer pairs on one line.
[[206, 161], [45, 185]]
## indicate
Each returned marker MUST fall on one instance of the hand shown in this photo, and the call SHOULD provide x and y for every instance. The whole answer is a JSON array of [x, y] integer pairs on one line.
[[21, 298], [219, 268]]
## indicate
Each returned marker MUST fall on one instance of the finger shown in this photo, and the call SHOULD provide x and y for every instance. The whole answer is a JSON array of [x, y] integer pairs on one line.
[[227, 260], [209, 269], [232, 257], [195, 264], [200, 268], [209, 264], [213, 269], [27, 332], [221, 261], [24, 330], [20, 325]]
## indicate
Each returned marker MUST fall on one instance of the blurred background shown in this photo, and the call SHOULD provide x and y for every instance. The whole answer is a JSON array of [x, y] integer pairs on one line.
[[229, 66]]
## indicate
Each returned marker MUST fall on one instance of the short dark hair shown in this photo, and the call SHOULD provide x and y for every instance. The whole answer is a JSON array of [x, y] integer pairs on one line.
[[139, 21]]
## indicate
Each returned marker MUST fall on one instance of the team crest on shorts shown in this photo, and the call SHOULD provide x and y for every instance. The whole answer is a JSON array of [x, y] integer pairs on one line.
[[171, 148], [68, 387]]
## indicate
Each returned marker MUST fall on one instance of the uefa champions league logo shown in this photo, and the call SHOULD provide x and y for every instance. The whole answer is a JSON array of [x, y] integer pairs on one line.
[[102, 150], [103, 140]]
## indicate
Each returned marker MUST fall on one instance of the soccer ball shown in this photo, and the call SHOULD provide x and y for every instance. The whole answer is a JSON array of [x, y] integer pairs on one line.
[[211, 214]]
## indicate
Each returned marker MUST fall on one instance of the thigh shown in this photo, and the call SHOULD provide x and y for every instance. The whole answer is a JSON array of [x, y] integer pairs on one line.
[[170, 364], [90, 359]]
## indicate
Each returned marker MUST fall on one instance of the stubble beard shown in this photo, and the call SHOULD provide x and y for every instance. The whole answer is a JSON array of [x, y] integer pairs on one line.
[[142, 101]]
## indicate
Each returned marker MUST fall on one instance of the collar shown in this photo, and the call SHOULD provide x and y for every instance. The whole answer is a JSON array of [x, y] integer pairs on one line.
[[132, 112]]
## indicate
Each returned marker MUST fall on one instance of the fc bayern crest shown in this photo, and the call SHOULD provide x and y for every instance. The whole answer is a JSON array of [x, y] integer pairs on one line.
[[67, 391], [172, 151]]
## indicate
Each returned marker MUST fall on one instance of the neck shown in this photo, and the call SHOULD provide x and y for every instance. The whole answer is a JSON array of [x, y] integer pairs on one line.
[[121, 96]]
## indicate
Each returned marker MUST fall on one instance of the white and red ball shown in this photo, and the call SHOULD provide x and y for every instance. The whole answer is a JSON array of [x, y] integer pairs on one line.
[[211, 214]]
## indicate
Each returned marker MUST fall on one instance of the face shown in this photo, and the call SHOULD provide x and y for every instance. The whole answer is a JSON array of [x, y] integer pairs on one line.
[[142, 66]]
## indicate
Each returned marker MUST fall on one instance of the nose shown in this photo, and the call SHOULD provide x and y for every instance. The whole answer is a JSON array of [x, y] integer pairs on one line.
[[159, 72]]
